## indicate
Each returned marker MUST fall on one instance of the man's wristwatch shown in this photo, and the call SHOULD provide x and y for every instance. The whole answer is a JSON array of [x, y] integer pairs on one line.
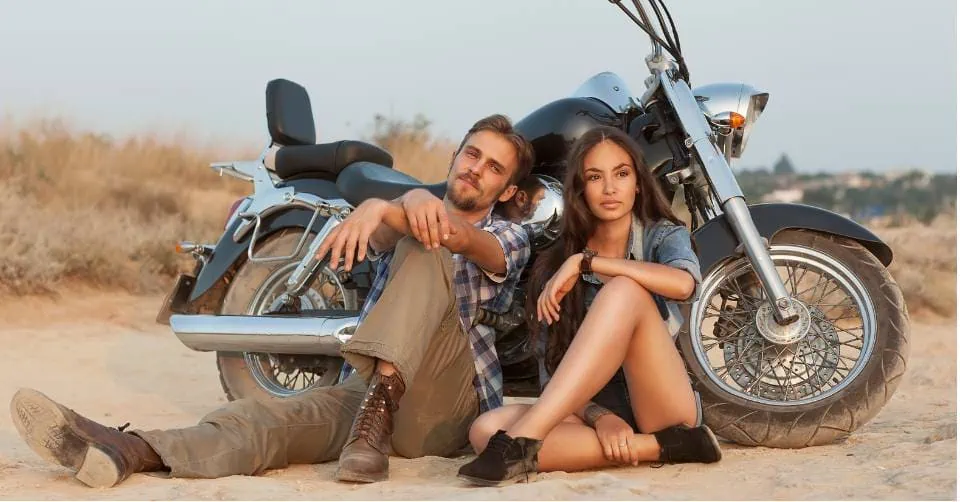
[[586, 264]]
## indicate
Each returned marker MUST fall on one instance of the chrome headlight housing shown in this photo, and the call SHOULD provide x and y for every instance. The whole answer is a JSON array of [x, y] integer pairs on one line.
[[733, 108], [543, 221]]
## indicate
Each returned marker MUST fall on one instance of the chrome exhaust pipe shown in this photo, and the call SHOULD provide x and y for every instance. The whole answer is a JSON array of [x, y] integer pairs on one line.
[[273, 334]]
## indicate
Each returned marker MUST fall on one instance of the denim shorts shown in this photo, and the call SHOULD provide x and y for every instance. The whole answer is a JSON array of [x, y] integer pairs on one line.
[[615, 397]]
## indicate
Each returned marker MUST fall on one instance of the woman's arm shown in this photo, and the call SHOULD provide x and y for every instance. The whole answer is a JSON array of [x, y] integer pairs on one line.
[[664, 280], [591, 412]]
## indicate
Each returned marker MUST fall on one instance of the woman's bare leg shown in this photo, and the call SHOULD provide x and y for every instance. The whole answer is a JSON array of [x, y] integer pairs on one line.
[[596, 353], [570, 446], [623, 328], [660, 392]]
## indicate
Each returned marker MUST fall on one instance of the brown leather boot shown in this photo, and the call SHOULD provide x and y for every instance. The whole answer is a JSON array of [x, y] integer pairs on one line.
[[100, 456], [364, 459]]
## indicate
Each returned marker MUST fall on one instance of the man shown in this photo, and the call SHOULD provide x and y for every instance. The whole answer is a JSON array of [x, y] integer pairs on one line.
[[530, 191], [424, 371]]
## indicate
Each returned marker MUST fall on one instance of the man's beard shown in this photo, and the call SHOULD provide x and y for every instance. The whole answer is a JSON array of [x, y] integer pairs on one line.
[[463, 203], [469, 204]]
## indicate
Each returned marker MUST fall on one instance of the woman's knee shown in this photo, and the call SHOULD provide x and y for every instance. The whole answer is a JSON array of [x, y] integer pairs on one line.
[[486, 425], [625, 289]]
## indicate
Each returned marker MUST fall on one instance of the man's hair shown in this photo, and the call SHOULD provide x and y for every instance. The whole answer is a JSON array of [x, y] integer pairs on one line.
[[529, 184], [501, 125]]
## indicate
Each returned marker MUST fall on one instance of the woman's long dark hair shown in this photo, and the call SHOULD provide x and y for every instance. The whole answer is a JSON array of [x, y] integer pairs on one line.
[[577, 225]]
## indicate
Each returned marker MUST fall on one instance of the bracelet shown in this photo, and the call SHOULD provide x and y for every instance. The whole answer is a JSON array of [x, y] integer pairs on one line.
[[586, 264], [593, 412]]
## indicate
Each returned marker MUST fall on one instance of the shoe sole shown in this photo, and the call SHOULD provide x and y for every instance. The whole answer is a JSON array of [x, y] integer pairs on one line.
[[47, 431], [359, 477], [520, 478], [716, 444]]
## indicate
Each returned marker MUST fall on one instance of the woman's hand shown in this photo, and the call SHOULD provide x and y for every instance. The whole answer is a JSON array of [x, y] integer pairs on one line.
[[618, 440], [548, 304]]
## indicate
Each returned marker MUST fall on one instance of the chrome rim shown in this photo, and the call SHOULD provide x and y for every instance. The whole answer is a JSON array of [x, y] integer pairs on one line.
[[832, 350], [285, 375]]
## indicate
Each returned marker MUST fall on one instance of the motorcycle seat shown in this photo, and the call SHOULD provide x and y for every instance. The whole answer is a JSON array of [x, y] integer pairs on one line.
[[326, 160], [366, 180]]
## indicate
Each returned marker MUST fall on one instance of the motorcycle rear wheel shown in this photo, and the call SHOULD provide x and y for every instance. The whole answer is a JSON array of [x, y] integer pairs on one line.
[[253, 291], [833, 378]]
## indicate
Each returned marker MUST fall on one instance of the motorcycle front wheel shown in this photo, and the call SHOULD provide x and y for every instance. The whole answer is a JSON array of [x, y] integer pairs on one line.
[[814, 382]]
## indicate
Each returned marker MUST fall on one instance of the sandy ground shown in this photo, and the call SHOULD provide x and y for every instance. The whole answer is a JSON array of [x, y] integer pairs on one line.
[[104, 357]]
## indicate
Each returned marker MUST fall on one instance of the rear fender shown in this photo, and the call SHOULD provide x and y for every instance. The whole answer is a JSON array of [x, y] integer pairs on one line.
[[228, 254]]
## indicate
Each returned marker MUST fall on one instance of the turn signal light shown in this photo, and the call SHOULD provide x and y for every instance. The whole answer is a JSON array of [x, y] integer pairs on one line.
[[185, 247], [736, 120]]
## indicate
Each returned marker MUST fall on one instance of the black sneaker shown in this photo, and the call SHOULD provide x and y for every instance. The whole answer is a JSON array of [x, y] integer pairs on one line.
[[504, 460], [680, 444]]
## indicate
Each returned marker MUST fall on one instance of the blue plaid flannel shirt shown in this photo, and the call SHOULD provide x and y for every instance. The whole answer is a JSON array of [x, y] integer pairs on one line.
[[476, 288]]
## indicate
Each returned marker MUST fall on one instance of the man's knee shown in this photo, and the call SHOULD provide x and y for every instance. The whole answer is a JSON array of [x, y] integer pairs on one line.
[[413, 438], [410, 252]]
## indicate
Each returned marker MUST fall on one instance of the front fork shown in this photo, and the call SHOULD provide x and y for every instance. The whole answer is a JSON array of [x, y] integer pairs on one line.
[[731, 197]]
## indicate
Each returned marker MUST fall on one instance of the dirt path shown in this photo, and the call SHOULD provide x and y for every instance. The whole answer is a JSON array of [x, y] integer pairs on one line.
[[104, 357]]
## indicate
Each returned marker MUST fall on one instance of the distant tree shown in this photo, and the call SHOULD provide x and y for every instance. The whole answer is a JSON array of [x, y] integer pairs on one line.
[[821, 197], [783, 166], [928, 214]]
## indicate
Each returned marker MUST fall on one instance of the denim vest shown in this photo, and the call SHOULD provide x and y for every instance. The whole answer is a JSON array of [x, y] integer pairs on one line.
[[665, 243]]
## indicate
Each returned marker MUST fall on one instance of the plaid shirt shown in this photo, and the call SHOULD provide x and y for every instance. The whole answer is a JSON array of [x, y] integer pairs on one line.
[[476, 288]]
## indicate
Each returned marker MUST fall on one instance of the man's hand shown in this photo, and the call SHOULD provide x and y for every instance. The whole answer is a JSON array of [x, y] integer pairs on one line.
[[618, 440], [427, 217], [350, 238]]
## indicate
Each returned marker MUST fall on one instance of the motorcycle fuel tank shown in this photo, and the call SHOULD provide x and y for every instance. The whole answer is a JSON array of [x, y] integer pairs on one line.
[[554, 127]]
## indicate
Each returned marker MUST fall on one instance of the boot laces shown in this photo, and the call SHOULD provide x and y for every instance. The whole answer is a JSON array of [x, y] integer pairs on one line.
[[372, 418], [500, 444]]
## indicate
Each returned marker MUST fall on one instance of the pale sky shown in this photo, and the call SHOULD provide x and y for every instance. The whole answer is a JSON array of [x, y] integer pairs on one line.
[[853, 84]]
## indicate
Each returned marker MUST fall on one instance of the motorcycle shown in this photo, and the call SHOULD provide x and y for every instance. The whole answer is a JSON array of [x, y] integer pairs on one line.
[[799, 336]]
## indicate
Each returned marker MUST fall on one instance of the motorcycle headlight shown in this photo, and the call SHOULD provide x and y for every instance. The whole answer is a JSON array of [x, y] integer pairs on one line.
[[542, 222], [733, 106]]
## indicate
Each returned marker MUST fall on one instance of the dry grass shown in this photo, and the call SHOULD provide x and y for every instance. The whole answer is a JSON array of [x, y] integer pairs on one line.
[[78, 207], [416, 151], [925, 265], [82, 208]]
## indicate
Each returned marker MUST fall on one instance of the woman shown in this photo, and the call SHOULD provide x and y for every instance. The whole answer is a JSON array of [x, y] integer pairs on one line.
[[618, 392]]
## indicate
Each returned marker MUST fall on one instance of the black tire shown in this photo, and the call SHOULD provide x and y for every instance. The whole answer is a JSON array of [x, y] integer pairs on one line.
[[835, 417], [236, 376]]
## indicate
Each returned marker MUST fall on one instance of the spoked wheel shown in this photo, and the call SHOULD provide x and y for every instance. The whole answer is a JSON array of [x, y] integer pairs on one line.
[[255, 290], [814, 381]]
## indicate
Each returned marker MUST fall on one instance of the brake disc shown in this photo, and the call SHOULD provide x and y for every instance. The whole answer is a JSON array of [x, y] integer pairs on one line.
[[784, 372]]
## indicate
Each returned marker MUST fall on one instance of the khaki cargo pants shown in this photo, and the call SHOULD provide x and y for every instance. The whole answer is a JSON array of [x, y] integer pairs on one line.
[[415, 325]]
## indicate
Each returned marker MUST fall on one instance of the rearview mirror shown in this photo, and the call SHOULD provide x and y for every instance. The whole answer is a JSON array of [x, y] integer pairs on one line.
[[289, 115]]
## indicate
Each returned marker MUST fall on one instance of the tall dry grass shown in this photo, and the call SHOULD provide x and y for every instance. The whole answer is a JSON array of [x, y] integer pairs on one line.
[[76, 206], [415, 149], [925, 265], [80, 207]]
